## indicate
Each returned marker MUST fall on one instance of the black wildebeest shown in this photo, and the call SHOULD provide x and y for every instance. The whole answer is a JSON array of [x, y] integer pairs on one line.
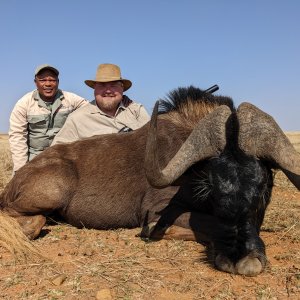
[[199, 170]]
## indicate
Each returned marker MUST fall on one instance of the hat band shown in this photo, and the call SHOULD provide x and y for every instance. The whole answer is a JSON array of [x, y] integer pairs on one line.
[[108, 78]]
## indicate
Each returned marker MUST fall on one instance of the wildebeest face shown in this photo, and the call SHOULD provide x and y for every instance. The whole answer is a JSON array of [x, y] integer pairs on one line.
[[230, 187]]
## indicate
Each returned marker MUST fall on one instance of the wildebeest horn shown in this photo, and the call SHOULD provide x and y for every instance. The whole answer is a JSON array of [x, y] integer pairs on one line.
[[259, 135], [206, 140]]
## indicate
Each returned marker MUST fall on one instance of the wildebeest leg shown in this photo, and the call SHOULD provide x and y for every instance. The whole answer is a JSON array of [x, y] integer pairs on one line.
[[166, 217], [175, 222], [30, 225], [169, 232], [31, 194]]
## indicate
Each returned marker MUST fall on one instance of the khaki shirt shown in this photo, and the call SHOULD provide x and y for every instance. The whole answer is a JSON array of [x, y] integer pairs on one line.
[[33, 124], [90, 120]]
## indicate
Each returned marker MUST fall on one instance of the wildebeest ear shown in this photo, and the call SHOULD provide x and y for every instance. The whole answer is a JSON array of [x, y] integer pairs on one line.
[[207, 139], [260, 136]]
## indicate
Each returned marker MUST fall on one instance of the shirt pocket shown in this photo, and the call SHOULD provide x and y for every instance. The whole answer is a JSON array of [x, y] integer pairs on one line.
[[38, 124], [60, 118]]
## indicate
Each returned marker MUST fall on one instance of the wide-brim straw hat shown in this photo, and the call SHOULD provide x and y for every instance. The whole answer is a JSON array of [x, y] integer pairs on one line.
[[107, 73]]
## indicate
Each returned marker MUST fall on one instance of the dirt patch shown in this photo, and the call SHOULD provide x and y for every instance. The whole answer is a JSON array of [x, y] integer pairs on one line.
[[115, 264]]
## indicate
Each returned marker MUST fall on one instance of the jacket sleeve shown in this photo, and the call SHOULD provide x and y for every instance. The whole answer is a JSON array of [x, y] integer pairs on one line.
[[18, 135], [67, 134]]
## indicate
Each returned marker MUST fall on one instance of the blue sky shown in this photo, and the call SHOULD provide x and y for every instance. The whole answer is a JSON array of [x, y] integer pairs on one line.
[[251, 49]]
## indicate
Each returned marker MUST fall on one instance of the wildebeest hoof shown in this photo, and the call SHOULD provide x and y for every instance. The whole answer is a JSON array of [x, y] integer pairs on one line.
[[147, 230], [224, 264], [249, 266], [157, 232], [31, 225]]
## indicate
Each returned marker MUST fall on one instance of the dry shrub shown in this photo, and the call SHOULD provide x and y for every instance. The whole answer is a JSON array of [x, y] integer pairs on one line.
[[11, 235], [13, 239], [6, 164]]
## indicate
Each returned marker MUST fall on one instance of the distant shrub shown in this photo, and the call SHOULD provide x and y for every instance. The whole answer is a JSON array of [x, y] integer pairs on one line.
[[6, 164]]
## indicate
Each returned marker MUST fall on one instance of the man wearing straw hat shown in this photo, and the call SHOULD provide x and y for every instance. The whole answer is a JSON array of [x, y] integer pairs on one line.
[[110, 112]]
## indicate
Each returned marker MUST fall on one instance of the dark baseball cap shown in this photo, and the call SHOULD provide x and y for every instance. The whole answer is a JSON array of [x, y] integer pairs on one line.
[[45, 67]]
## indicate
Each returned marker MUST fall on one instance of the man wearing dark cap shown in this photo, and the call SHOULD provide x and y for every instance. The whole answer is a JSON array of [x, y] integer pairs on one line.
[[110, 112], [39, 115]]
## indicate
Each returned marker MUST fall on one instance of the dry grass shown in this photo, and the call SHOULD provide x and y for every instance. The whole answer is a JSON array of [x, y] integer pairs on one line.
[[12, 238], [5, 161], [11, 235]]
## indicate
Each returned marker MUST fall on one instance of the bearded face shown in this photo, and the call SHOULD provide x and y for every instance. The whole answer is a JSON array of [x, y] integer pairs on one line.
[[108, 96]]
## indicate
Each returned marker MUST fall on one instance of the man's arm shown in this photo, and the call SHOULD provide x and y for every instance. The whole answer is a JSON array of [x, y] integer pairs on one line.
[[77, 101], [18, 135]]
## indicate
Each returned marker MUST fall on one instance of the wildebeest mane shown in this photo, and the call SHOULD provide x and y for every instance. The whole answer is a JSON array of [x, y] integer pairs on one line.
[[178, 98], [187, 105]]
